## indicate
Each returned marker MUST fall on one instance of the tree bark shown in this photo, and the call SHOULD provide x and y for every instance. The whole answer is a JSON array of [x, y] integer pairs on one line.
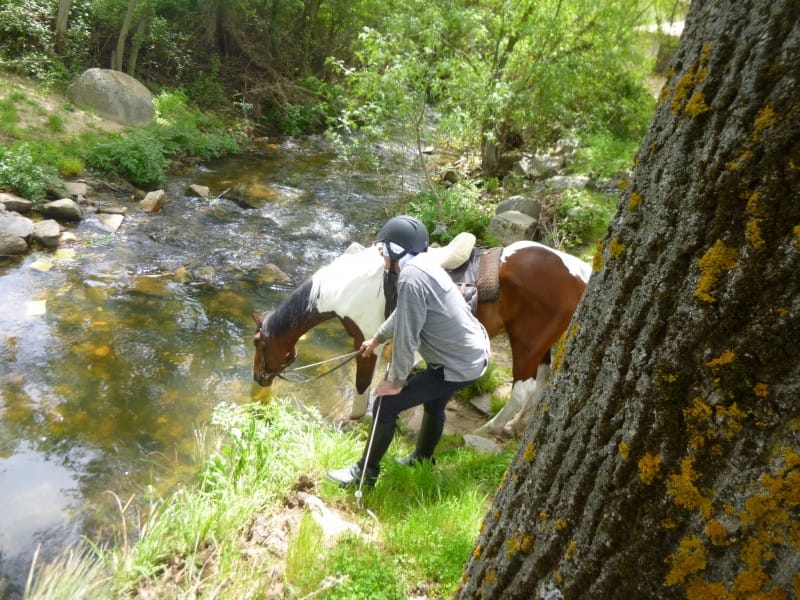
[[664, 459], [62, 17], [117, 58]]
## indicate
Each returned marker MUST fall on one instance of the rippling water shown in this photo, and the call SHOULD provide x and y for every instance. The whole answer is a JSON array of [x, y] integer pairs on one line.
[[117, 347]]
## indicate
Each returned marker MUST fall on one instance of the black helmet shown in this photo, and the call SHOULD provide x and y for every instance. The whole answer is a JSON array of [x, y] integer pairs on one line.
[[407, 232]]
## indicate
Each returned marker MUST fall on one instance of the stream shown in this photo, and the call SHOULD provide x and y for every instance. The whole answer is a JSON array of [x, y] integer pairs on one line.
[[117, 347]]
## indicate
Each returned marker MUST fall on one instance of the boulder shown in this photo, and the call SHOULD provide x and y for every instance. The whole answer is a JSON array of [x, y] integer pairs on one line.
[[16, 225], [65, 209], [567, 182], [47, 233], [199, 191], [109, 222], [538, 166], [153, 201], [77, 189], [512, 226], [15, 203], [11, 244], [113, 95], [523, 204]]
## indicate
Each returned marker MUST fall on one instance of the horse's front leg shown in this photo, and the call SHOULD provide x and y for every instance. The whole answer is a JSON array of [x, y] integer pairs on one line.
[[532, 395], [365, 367]]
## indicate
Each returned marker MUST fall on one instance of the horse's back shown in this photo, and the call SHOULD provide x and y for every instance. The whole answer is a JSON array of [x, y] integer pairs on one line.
[[542, 255]]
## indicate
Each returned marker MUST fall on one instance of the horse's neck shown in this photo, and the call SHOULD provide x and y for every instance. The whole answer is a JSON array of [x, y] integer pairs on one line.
[[352, 287], [296, 315]]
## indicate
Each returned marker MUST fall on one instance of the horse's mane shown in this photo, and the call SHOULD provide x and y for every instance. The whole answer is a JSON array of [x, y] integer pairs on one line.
[[290, 312], [352, 286]]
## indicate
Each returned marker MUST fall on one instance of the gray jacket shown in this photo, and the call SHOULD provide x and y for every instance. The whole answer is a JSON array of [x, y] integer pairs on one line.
[[433, 319]]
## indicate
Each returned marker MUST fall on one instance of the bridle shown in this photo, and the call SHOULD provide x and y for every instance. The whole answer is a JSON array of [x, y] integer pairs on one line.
[[283, 369]]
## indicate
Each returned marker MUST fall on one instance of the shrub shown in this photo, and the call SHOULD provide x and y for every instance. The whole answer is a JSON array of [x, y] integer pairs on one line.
[[581, 217], [138, 157], [21, 172], [460, 211]]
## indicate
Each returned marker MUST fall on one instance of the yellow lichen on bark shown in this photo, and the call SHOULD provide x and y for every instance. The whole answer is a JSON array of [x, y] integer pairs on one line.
[[597, 259], [698, 420], [624, 450], [696, 75], [696, 105], [718, 260], [681, 487], [616, 248], [690, 558], [561, 346], [634, 202], [725, 358], [649, 468], [765, 119]]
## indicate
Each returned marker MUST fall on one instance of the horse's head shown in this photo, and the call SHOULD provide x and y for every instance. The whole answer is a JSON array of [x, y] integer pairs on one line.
[[273, 355]]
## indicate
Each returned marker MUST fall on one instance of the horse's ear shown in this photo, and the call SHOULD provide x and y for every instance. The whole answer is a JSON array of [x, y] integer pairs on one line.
[[258, 320]]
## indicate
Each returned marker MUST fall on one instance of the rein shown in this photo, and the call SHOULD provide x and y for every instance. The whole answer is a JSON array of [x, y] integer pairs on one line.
[[347, 358]]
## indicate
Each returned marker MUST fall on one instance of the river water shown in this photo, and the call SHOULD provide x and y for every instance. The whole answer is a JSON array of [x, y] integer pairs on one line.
[[117, 347]]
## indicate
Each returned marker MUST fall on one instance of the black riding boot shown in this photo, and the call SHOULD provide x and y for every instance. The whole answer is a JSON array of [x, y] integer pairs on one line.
[[381, 438], [430, 432]]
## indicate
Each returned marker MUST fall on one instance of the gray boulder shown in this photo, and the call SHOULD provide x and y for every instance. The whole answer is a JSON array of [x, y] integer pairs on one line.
[[15, 203], [567, 182], [47, 233], [16, 225], [113, 95], [11, 244], [109, 222], [65, 209], [512, 226], [523, 204]]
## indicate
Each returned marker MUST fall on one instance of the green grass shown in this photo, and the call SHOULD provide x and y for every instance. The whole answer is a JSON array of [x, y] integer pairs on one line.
[[418, 524]]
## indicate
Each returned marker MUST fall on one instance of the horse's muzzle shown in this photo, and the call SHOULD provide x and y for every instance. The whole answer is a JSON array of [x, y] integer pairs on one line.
[[264, 379]]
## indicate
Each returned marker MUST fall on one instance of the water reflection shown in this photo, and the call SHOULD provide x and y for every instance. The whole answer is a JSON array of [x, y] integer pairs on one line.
[[116, 349]]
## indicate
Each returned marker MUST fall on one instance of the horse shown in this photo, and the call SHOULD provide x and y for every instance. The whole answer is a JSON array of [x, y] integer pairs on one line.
[[538, 292]]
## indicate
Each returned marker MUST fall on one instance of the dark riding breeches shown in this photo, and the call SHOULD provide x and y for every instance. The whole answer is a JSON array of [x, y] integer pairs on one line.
[[429, 388]]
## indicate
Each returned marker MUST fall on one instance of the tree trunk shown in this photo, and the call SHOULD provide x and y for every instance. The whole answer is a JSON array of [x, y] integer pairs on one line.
[[117, 58], [138, 40], [664, 459], [62, 17]]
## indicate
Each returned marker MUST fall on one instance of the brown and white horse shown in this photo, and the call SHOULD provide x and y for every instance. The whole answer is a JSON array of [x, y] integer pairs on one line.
[[539, 290]]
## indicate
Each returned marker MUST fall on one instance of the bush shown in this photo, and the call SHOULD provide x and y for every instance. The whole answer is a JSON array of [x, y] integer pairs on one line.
[[138, 157], [21, 172], [581, 218], [460, 211], [142, 155]]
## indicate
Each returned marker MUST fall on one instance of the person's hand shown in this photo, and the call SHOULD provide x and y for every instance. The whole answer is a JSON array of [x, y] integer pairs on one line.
[[387, 388], [368, 347]]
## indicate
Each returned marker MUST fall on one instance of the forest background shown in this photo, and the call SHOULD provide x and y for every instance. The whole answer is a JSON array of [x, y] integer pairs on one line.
[[482, 82]]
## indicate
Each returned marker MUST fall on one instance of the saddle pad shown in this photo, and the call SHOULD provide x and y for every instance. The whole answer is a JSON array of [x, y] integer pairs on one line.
[[478, 279], [489, 275]]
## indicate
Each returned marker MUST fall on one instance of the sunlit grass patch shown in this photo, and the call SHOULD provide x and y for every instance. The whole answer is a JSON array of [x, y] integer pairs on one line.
[[417, 525]]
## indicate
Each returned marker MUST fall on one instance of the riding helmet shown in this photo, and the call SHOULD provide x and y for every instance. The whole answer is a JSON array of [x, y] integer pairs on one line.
[[405, 231]]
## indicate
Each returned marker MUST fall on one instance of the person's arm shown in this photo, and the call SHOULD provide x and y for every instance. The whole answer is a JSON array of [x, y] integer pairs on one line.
[[409, 318]]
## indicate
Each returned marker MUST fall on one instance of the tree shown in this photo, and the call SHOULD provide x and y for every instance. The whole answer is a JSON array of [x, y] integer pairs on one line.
[[503, 73], [664, 459], [62, 16]]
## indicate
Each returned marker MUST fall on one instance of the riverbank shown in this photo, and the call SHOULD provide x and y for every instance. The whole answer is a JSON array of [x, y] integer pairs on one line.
[[264, 522]]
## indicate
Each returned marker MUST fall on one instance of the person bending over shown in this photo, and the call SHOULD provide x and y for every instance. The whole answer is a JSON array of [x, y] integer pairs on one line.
[[432, 318]]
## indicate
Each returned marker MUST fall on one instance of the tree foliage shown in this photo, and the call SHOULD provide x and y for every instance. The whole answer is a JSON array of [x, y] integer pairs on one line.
[[502, 73]]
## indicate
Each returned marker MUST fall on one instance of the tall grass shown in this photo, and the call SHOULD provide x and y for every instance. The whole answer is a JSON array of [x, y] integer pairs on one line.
[[416, 533]]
